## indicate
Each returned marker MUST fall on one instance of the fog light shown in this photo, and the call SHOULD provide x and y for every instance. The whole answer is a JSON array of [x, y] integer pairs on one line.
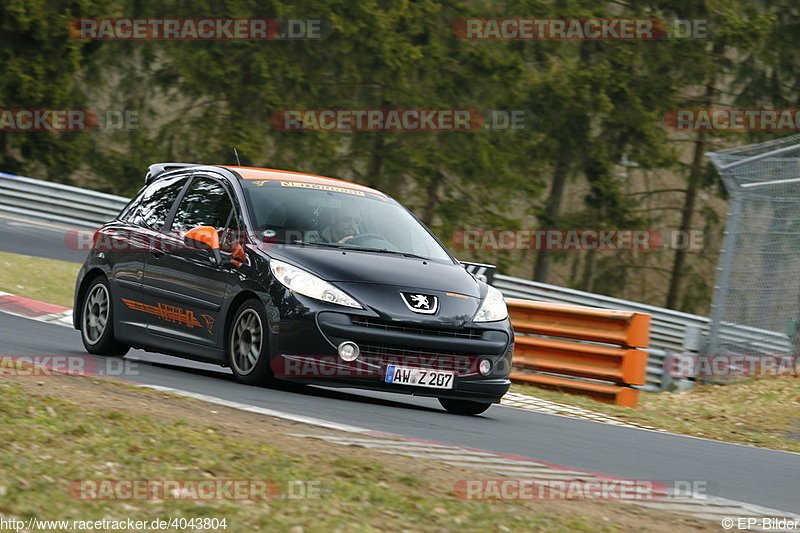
[[485, 367], [348, 350]]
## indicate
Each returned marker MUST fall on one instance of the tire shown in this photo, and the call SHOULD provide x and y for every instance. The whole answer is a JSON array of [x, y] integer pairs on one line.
[[464, 407], [248, 345], [97, 321]]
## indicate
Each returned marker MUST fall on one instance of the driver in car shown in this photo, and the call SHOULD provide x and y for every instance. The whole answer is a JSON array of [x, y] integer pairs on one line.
[[343, 227]]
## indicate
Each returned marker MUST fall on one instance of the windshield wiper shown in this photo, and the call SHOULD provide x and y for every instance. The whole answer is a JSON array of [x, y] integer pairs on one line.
[[343, 246], [387, 251], [307, 243]]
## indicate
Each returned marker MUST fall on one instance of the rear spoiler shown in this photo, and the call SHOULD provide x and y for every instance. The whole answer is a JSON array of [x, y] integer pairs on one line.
[[154, 171]]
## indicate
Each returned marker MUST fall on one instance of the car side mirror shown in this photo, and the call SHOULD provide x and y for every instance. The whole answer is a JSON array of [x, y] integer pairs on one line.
[[238, 255], [204, 238]]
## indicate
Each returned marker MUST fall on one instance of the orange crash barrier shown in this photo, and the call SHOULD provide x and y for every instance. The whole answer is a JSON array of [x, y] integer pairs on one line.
[[581, 350]]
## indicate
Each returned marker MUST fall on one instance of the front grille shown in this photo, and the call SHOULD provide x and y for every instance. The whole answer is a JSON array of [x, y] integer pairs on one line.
[[464, 333], [383, 349], [438, 359]]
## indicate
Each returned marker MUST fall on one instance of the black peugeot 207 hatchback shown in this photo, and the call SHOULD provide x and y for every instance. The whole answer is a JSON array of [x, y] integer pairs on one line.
[[287, 276]]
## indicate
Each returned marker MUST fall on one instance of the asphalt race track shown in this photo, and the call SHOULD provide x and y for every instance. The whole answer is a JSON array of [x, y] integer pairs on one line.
[[764, 477], [39, 239]]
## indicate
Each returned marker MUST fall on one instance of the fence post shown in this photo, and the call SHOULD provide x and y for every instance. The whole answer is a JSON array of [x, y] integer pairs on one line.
[[722, 286]]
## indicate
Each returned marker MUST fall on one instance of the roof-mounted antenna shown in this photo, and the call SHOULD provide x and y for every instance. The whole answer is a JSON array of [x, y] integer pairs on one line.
[[237, 156]]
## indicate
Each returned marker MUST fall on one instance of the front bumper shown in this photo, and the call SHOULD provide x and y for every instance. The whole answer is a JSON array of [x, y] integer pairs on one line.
[[306, 352], [478, 390]]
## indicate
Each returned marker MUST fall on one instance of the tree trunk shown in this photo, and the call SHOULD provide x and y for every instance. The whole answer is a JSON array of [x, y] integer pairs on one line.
[[687, 215], [4, 152], [552, 209], [590, 270], [375, 166], [432, 192]]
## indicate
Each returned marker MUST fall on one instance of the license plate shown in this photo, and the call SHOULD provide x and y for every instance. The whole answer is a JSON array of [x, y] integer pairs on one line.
[[419, 377]]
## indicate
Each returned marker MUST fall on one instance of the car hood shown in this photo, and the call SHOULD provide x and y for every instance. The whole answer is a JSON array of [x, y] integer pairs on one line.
[[353, 266]]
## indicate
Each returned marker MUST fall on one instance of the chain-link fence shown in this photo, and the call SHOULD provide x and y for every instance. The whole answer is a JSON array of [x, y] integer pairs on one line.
[[758, 276]]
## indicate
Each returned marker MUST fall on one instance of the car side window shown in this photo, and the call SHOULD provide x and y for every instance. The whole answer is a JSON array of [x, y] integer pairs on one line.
[[156, 201], [206, 203]]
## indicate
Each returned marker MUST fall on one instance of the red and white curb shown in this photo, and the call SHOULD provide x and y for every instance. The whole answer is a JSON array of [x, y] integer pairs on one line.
[[694, 505], [532, 403], [699, 506], [35, 310]]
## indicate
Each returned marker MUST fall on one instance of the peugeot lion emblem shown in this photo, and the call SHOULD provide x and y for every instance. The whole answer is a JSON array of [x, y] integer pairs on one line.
[[427, 304]]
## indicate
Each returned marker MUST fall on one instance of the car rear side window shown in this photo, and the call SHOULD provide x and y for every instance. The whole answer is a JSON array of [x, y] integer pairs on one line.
[[156, 202], [206, 203]]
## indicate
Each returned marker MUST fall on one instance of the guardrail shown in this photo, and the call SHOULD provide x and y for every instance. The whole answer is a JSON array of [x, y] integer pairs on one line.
[[604, 365], [671, 332], [56, 202]]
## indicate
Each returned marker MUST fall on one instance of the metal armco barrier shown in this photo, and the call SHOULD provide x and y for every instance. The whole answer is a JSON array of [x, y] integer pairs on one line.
[[56, 202], [582, 350], [671, 330]]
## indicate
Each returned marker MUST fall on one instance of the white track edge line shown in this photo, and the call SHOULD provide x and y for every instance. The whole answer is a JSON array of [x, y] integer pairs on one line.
[[262, 411]]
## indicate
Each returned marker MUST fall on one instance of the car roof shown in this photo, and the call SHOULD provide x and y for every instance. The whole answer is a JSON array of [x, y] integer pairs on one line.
[[252, 173]]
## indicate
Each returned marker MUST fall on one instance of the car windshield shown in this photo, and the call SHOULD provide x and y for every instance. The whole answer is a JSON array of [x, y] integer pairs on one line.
[[292, 212]]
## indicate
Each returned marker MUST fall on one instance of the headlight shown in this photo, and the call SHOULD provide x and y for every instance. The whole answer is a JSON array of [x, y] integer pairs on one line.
[[493, 307], [298, 280]]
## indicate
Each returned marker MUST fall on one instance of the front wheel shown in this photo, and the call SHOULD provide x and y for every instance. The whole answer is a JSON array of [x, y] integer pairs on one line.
[[248, 347], [464, 407], [97, 321]]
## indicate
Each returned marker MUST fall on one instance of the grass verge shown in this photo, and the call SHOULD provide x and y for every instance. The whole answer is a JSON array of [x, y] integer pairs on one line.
[[48, 280], [124, 433], [757, 412]]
